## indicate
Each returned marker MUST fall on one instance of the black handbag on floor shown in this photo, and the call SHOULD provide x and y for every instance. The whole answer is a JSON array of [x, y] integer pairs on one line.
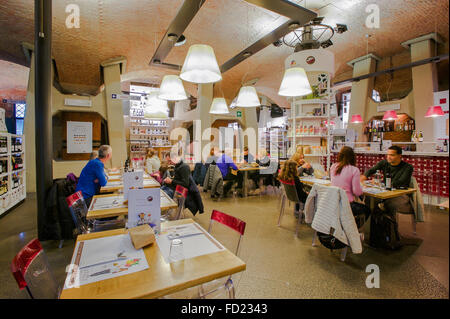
[[384, 231]]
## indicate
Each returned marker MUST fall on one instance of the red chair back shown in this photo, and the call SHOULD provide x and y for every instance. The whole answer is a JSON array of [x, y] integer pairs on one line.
[[234, 223], [22, 261], [72, 199], [183, 191]]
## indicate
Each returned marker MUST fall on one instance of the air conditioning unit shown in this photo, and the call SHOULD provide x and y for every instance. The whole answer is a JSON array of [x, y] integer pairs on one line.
[[77, 102]]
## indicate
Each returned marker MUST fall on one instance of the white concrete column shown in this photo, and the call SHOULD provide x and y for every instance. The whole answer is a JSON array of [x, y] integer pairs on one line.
[[361, 90], [112, 70], [424, 81], [204, 101]]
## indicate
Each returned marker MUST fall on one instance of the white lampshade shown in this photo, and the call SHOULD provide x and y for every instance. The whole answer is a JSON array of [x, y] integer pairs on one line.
[[172, 89], [200, 65], [219, 106], [295, 83], [248, 97], [155, 107]]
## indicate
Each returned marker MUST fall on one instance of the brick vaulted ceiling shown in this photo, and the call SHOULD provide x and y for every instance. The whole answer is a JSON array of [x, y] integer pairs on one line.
[[134, 28]]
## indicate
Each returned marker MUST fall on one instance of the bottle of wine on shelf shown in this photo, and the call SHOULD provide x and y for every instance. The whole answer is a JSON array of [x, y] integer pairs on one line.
[[420, 136]]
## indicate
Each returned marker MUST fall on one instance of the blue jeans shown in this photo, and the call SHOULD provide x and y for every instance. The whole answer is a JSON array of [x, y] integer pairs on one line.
[[169, 191]]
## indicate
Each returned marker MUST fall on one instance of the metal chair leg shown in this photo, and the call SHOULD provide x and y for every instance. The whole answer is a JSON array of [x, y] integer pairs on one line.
[[230, 287], [314, 239], [300, 213], [61, 242], [283, 203], [344, 253], [414, 224]]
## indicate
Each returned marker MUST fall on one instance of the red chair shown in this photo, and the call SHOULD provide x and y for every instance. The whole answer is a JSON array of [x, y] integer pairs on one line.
[[209, 289], [78, 210], [31, 270]]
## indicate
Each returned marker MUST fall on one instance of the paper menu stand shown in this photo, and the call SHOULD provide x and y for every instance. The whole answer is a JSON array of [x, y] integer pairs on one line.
[[144, 207], [132, 180]]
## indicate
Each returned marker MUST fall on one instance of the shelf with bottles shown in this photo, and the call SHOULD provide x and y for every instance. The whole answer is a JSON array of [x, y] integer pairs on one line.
[[16, 180], [402, 127], [17, 162], [3, 184]]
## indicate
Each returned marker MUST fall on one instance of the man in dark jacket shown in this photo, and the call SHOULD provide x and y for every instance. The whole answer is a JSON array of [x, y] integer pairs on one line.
[[181, 177], [400, 172]]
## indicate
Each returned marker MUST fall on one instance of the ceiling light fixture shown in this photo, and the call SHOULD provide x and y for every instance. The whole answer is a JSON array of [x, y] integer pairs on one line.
[[295, 83], [200, 65], [219, 106], [356, 119], [390, 115], [172, 89], [248, 97], [435, 111], [181, 41]]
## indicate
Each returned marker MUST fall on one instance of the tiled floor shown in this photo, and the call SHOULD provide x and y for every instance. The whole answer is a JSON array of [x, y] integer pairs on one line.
[[279, 265]]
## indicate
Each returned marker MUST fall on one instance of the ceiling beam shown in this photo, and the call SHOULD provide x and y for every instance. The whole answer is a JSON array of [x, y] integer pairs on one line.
[[187, 12], [298, 15], [434, 59]]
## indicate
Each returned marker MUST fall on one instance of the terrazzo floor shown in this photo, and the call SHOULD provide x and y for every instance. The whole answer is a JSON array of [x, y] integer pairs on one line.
[[279, 264]]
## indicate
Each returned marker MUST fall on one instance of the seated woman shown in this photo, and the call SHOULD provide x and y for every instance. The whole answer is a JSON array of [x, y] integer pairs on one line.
[[304, 168], [346, 175], [152, 161], [289, 175]]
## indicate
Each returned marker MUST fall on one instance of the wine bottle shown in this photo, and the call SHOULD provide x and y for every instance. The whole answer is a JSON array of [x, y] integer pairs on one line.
[[445, 146], [420, 136], [388, 180]]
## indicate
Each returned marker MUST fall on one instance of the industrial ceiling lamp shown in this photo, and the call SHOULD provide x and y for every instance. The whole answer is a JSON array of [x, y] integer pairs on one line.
[[434, 111], [295, 83], [172, 89], [200, 65], [248, 97], [356, 119], [219, 106], [390, 115]]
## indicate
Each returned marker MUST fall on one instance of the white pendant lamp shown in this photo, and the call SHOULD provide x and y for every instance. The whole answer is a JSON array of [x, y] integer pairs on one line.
[[295, 83], [200, 65], [155, 107], [248, 97], [172, 89], [219, 106]]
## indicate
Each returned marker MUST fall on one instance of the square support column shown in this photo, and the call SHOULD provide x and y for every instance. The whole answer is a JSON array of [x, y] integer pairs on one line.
[[361, 90], [114, 111]]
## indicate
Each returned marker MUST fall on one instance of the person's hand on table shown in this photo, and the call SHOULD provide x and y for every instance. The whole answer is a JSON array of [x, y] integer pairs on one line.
[[168, 180], [306, 165], [363, 178]]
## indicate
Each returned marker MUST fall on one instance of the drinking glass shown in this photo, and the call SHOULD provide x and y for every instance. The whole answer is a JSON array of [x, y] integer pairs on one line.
[[176, 250]]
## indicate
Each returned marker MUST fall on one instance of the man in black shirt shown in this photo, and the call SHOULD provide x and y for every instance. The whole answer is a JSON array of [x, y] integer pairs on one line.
[[401, 173]]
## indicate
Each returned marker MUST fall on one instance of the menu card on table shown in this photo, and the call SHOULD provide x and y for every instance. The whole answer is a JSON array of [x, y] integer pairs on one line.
[[110, 202], [104, 258], [196, 241], [132, 180], [144, 207]]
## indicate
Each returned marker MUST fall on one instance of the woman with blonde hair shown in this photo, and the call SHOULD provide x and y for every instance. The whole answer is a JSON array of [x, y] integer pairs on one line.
[[152, 161], [289, 175], [303, 166]]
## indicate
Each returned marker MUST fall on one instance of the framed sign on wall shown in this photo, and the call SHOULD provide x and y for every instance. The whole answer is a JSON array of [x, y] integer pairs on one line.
[[79, 137]]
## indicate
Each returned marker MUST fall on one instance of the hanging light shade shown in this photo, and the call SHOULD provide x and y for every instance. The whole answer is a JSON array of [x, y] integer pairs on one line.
[[356, 119], [434, 111], [172, 89], [219, 106], [390, 115], [155, 107], [200, 65], [248, 97], [295, 83]]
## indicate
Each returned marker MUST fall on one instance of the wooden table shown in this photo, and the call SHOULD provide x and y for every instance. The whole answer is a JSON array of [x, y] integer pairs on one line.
[[382, 196], [444, 204], [166, 204], [114, 186], [160, 278]]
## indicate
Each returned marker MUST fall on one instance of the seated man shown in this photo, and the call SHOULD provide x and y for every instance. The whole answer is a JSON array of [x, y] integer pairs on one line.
[[93, 175], [400, 172], [225, 164], [182, 172]]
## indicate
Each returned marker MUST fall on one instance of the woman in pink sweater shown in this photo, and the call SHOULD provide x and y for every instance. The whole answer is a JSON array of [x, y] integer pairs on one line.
[[345, 174]]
